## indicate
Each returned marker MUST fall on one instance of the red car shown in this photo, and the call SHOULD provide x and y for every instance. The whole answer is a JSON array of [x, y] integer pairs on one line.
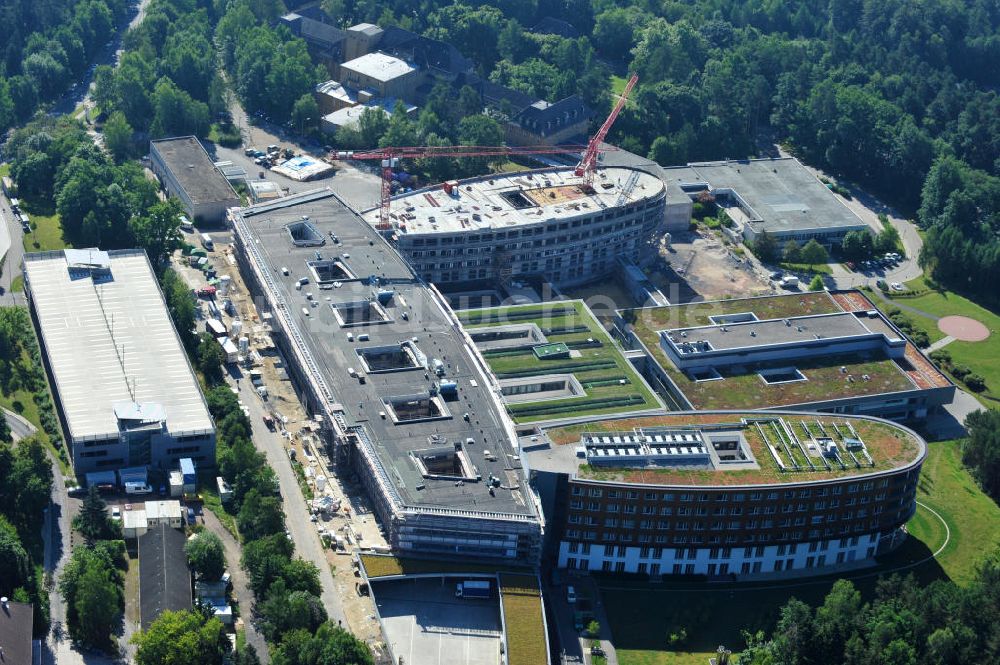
[[206, 292]]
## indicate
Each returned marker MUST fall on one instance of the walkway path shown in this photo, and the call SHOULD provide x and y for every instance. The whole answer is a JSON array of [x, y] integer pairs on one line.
[[906, 308], [241, 586], [944, 341]]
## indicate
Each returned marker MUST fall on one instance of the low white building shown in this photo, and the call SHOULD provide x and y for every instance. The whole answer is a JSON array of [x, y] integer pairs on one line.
[[165, 512], [134, 523]]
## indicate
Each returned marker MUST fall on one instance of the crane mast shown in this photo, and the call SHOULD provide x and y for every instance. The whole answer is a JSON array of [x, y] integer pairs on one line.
[[390, 156]]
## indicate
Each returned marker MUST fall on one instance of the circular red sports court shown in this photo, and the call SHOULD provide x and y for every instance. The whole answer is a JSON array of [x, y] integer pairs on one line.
[[963, 328]]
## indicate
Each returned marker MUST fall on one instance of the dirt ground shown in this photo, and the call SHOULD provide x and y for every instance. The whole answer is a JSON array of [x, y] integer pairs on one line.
[[700, 266]]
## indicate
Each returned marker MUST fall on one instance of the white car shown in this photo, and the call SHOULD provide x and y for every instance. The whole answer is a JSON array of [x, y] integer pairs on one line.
[[116, 513], [896, 286], [570, 595]]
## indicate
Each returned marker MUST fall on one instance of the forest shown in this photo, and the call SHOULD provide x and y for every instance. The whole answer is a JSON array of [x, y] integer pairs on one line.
[[906, 623], [49, 49], [899, 97]]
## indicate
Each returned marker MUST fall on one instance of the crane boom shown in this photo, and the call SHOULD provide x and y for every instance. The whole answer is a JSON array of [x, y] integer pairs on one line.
[[418, 152], [389, 156], [589, 162]]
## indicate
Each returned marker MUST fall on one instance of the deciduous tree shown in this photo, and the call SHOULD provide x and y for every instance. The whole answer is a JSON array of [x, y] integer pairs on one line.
[[187, 637], [206, 555]]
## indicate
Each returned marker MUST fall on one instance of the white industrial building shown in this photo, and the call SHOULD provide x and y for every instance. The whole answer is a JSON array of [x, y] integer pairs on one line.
[[779, 196], [125, 392]]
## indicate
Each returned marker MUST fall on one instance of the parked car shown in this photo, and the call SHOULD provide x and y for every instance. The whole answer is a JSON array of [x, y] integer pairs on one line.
[[116, 513], [190, 515], [570, 594], [776, 275]]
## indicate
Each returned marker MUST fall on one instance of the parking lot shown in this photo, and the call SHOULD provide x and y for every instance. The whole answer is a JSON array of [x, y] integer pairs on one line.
[[426, 625]]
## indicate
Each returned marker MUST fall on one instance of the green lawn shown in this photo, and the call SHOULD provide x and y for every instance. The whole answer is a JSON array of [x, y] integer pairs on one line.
[[808, 268], [642, 616], [22, 403], [522, 609], [972, 517], [4, 169], [618, 84], [46, 232], [17, 286], [982, 357], [210, 499], [510, 167], [229, 137], [609, 381]]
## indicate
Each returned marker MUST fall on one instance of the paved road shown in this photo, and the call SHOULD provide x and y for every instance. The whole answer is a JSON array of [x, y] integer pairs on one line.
[[111, 56], [950, 424], [304, 533], [57, 534], [574, 647], [359, 187], [867, 207], [241, 587], [19, 426], [12, 262]]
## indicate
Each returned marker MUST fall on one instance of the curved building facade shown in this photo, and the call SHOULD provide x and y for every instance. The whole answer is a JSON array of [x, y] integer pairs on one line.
[[726, 493], [544, 223]]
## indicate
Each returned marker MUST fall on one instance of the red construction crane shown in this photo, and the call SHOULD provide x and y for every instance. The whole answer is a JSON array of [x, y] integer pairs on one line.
[[588, 164], [390, 156]]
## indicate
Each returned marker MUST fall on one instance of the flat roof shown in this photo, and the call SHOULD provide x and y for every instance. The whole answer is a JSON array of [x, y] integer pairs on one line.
[[379, 66], [616, 156], [195, 171], [164, 579], [790, 330], [337, 90], [827, 377], [16, 622], [783, 193], [415, 314], [513, 199], [110, 343], [350, 115], [886, 446]]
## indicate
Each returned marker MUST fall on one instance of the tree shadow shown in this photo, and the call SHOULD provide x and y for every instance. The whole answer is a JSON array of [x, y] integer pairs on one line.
[[643, 616], [56, 535]]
